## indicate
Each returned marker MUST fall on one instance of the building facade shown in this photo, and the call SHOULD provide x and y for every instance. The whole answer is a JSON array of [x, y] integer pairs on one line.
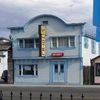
[[90, 49], [47, 50], [4, 46], [95, 66]]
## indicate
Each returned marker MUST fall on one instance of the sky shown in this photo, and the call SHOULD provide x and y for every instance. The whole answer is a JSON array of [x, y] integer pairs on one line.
[[18, 12]]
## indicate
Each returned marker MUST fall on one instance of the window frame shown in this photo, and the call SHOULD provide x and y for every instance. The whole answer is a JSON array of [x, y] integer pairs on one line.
[[96, 69], [86, 42], [93, 46], [35, 44], [33, 67], [68, 42]]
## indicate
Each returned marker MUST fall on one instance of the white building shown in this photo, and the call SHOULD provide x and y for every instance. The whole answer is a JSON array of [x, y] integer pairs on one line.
[[90, 49], [4, 45]]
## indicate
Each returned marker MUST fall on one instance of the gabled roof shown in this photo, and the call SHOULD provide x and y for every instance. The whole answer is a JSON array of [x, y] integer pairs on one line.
[[95, 58]]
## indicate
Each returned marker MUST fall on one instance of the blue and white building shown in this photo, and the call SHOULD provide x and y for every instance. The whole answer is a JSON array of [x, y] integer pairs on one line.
[[47, 50]]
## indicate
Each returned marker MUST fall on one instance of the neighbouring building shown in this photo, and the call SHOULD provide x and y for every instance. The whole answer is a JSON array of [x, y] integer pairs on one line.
[[48, 50], [4, 47], [95, 66]]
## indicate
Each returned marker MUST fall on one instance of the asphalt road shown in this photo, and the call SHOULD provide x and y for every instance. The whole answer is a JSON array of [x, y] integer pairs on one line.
[[50, 92]]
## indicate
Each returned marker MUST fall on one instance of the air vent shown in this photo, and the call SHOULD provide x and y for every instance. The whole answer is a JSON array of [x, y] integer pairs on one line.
[[45, 22]]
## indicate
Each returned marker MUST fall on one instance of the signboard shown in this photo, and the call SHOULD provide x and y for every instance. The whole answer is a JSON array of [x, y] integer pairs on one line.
[[96, 13], [42, 34], [58, 54], [96, 18]]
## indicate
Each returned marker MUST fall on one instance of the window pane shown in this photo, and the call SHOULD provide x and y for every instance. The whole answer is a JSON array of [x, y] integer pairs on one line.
[[28, 70], [19, 69], [72, 41], [54, 42], [56, 68], [99, 48], [93, 48], [37, 43], [29, 43], [21, 43], [85, 42], [60, 42], [97, 69], [62, 68], [36, 70]]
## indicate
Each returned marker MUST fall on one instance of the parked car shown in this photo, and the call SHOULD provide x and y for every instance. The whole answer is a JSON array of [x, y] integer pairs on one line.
[[5, 76]]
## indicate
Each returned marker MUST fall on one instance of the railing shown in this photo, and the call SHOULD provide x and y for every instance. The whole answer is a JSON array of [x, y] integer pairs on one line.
[[40, 96]]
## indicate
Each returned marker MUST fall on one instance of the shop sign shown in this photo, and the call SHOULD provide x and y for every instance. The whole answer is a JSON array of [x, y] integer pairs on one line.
[[42, 35], [57, 54]]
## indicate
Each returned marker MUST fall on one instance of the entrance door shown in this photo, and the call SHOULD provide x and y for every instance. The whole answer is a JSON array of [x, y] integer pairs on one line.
[[58, 72]]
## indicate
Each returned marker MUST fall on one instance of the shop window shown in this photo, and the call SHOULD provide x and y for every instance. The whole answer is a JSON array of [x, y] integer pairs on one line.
[[97, 69], [28, 70]]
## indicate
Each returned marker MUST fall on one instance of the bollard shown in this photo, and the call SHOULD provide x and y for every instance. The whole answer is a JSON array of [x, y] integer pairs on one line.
[[1, 95], [40, 96], [60, 96], [71, 97], [30, 96], [20, 95], [11, 94], [82, 97], [50, 96]]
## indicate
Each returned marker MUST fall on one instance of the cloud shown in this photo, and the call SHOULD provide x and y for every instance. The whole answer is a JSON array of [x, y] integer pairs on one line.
[[18, 12]]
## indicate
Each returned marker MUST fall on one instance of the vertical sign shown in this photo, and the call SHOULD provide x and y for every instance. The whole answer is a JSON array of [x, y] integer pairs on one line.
[[42, 34], [96, 13], [96, 18]]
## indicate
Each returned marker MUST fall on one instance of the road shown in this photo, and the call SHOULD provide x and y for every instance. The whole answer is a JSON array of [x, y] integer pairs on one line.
[[50, 92]]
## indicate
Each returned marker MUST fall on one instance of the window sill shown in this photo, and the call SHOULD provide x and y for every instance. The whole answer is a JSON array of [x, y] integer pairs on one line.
[[25, 49], [27, 76], [63, 48]]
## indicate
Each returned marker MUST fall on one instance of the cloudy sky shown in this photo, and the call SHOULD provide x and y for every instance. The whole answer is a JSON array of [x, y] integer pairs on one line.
[[18, 12]]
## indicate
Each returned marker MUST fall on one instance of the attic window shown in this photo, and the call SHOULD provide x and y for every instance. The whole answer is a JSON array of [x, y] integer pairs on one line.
[[45, 22]]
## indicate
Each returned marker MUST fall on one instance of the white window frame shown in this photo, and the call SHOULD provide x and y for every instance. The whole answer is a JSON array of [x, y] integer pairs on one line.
[[24, 43], [35, 67], [69, 45]]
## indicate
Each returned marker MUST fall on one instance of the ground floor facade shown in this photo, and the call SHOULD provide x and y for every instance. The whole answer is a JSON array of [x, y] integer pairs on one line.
[[48, 71]]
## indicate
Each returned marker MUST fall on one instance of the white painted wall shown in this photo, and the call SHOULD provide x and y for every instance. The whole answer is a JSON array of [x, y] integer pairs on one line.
[[42, 78], [3, 62], [87, 54], [74, 72]]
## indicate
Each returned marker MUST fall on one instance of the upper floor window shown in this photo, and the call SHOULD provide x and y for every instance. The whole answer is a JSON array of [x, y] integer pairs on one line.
[[29, 43], [93, 46], [66, 42], [86, 44], [99, 48]]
